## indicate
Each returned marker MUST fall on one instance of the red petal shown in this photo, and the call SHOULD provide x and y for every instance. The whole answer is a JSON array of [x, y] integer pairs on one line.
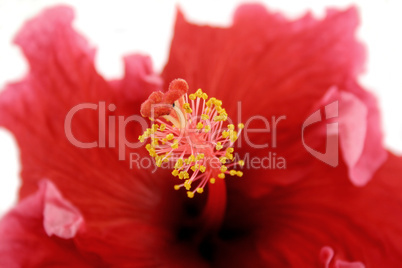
[[361, 224], [62, 75], [279, 61], [139, 79], [24, 232], [274, 67], [117, 202]]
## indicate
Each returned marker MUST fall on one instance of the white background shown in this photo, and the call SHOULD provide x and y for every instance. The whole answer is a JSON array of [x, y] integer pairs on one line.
[[120, 27]]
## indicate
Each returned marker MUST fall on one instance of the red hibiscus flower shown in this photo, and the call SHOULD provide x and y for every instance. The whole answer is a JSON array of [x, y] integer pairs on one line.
[[85, 201]]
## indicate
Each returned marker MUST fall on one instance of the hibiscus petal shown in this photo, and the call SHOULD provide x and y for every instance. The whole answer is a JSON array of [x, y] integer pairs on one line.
[[287, 66], [281, 61], [62, 75], [127, 217], [360, 224], [24, 232], [138, 74]]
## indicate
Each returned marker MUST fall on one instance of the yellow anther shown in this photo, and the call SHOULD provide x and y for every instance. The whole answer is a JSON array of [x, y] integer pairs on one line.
[[224, 168], [222, 112], [158, 161], [204, 117], [141, 138], [202, 168], [155, 127], [152, 152], [218, 118], [231, 127], [200, 190], [210, 102], [162, 127], [218, 146], [233, 136], [155, 142], [198, 93], [233, 172], [187, 185], [184, 175], [218, 102], [241, 163], [207, 128], [177, 187], [175, 144], [179, 163], [148, 147], [230, 150], [200, 156], [170, 136], [200, 125], [190, 159], [239, 173], [222, 159], [221, 117], [225, 134], [221, 175], [240, 126], [195, 167], [164, 140], [190, 194], [187, 107], [192, 96], [229, 155], [212, 180], [204, 96]]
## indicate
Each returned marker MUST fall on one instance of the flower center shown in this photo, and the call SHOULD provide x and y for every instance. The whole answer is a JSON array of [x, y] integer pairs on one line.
[[191, 133]]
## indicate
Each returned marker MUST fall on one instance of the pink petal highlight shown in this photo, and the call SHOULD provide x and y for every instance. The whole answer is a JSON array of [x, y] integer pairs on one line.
[[344, 264], [60, 217], [327, 257], [24, 232], [353, 127], [359, 132]]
